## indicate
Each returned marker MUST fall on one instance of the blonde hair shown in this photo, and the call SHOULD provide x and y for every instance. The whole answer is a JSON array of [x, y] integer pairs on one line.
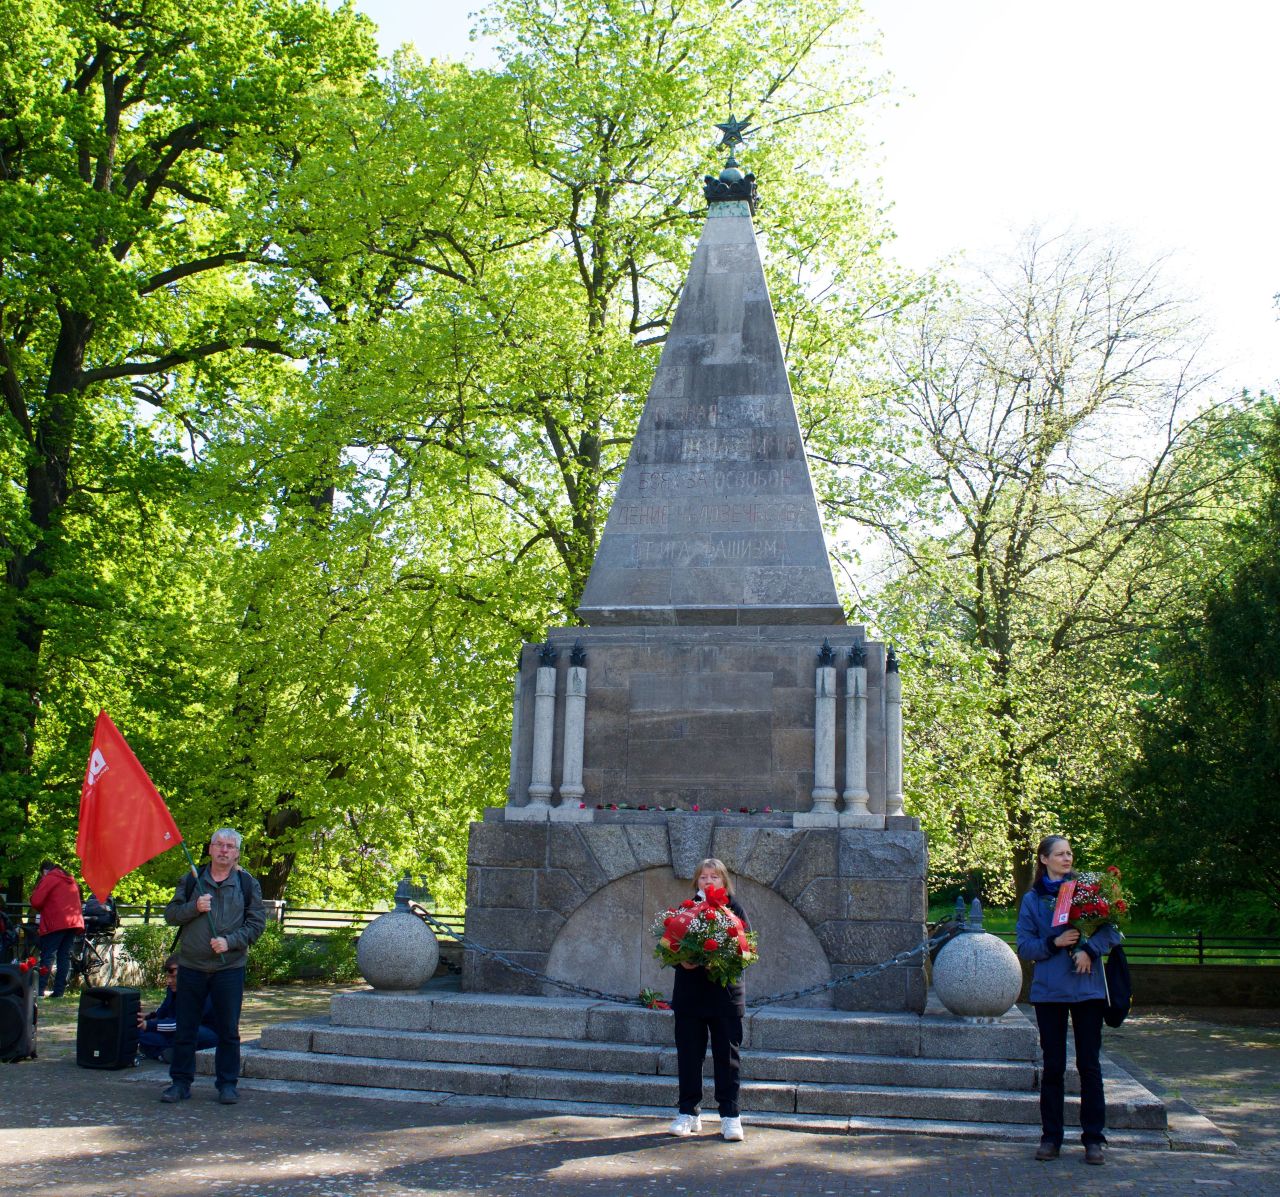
[[714, 862]]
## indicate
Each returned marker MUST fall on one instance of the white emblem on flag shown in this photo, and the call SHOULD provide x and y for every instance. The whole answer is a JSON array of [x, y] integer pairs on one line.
[[97, 765]]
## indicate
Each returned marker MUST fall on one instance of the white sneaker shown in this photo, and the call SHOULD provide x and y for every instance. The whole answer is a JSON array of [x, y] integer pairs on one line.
[[731, 1130], [686, 1125]]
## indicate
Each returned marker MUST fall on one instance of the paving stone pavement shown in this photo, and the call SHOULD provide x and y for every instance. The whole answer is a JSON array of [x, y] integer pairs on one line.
[[80, 1133]]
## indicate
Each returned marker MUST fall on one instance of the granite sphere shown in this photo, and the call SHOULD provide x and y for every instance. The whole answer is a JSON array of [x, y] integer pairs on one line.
[[977, 975], [397, 951]]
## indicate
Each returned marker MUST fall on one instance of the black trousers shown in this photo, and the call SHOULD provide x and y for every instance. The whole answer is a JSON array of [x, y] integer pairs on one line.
[[226, 987], [692, 1033], [1086, 1025]]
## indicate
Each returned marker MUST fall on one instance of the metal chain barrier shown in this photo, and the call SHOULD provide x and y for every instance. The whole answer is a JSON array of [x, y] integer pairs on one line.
[[624, 1000]]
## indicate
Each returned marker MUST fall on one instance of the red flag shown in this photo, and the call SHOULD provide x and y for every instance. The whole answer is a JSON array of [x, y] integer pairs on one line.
[[123, 820]]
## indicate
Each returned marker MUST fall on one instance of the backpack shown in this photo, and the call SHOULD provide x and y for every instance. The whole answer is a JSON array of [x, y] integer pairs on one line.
[[1119, 986]]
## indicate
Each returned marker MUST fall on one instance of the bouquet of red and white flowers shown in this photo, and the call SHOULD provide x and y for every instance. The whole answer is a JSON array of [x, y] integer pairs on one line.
[[1098, 898], [707, 933]]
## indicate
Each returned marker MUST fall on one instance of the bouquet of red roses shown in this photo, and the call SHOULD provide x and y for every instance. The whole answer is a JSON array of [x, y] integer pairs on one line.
[[706, 933], [1098, 898]]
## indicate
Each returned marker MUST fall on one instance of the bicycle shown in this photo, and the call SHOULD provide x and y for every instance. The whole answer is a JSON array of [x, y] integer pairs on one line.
[[93, 959]]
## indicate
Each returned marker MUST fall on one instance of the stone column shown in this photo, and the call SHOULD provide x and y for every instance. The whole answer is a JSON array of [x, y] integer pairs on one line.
[[856, 795], [575, 724], [544, 732], [515, 734], [893, 736], [823, 812]]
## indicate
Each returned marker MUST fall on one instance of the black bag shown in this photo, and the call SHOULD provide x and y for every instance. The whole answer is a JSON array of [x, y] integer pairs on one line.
[[100, 916], [1119, 985]]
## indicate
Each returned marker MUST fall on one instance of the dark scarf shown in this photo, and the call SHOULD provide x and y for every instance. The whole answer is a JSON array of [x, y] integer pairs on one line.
[[1049, 889]]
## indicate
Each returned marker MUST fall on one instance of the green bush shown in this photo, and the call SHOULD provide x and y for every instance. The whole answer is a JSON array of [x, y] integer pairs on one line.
[[339, 954], [278, 957], [148, 944]]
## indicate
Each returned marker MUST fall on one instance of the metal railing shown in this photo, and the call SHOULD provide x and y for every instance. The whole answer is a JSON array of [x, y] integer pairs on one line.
[[301, 920], [1194, 948]]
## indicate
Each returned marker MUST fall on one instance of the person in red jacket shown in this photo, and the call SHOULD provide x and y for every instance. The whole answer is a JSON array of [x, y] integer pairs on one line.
[[57, 899]]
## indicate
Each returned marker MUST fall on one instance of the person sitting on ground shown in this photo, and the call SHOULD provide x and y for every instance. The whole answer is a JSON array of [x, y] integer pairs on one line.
[[157, 1029]]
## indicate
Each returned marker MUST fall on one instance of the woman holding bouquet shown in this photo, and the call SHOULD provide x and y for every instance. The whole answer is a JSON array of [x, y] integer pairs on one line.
[[706, 1009], [1067, 985]]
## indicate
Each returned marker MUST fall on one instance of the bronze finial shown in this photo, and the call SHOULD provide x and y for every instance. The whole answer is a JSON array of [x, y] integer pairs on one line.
[[735, 134], [732, 184]]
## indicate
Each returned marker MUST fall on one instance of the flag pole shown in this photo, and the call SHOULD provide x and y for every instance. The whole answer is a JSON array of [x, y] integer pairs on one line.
[[213, 928]]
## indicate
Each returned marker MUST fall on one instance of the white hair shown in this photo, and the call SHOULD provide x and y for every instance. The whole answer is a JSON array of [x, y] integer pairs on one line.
[[228, 833]]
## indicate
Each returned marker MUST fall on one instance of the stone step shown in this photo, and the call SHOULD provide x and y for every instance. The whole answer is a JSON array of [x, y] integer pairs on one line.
[[932, 1036], [1129, 1105], [1187, 1131], [642, 1059]]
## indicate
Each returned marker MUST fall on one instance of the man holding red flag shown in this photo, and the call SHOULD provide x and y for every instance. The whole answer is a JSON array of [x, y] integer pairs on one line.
[[212, 966], [123, 824]]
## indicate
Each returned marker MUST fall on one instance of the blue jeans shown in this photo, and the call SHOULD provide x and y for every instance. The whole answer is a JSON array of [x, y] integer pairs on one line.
[[226, 988], [1086, 1024], [57, 943]]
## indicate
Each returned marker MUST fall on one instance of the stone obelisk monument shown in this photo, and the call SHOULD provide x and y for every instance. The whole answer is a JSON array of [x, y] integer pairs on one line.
[[714, 703]]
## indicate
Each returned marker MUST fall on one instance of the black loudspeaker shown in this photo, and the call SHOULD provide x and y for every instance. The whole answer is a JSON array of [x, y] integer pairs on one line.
[[17, 1012], [107, 1033]]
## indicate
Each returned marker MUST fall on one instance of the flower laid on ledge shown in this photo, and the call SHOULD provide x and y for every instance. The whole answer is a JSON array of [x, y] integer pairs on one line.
[[706, 933], [693, 809], [653, 1000]]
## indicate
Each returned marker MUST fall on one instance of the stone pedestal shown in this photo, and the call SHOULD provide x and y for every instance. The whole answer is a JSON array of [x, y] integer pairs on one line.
[[823, 902]]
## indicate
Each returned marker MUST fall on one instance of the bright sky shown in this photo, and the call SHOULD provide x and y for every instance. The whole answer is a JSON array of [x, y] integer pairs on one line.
[[1155, 118]]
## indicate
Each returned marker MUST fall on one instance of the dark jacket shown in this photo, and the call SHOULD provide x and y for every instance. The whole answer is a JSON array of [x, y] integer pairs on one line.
[[1055, 978], [57, 898], [239, 922], [695, 993]]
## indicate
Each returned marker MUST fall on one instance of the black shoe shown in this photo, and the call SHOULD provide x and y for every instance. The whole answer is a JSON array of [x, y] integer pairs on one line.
[[1093, 1153], [176, 1092], [228, 1096], [1048, 1150]]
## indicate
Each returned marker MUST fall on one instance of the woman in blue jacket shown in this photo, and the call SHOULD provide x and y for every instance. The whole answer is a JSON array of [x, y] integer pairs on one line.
[[1067, 984]]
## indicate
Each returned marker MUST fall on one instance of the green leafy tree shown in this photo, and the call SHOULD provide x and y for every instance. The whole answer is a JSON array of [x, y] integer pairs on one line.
[[1198, 818], [127, 278], [366, 353], [1061, 442], [490, 335]]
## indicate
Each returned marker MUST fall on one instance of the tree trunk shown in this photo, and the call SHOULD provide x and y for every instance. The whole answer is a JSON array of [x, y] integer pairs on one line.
[[48, 471]]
